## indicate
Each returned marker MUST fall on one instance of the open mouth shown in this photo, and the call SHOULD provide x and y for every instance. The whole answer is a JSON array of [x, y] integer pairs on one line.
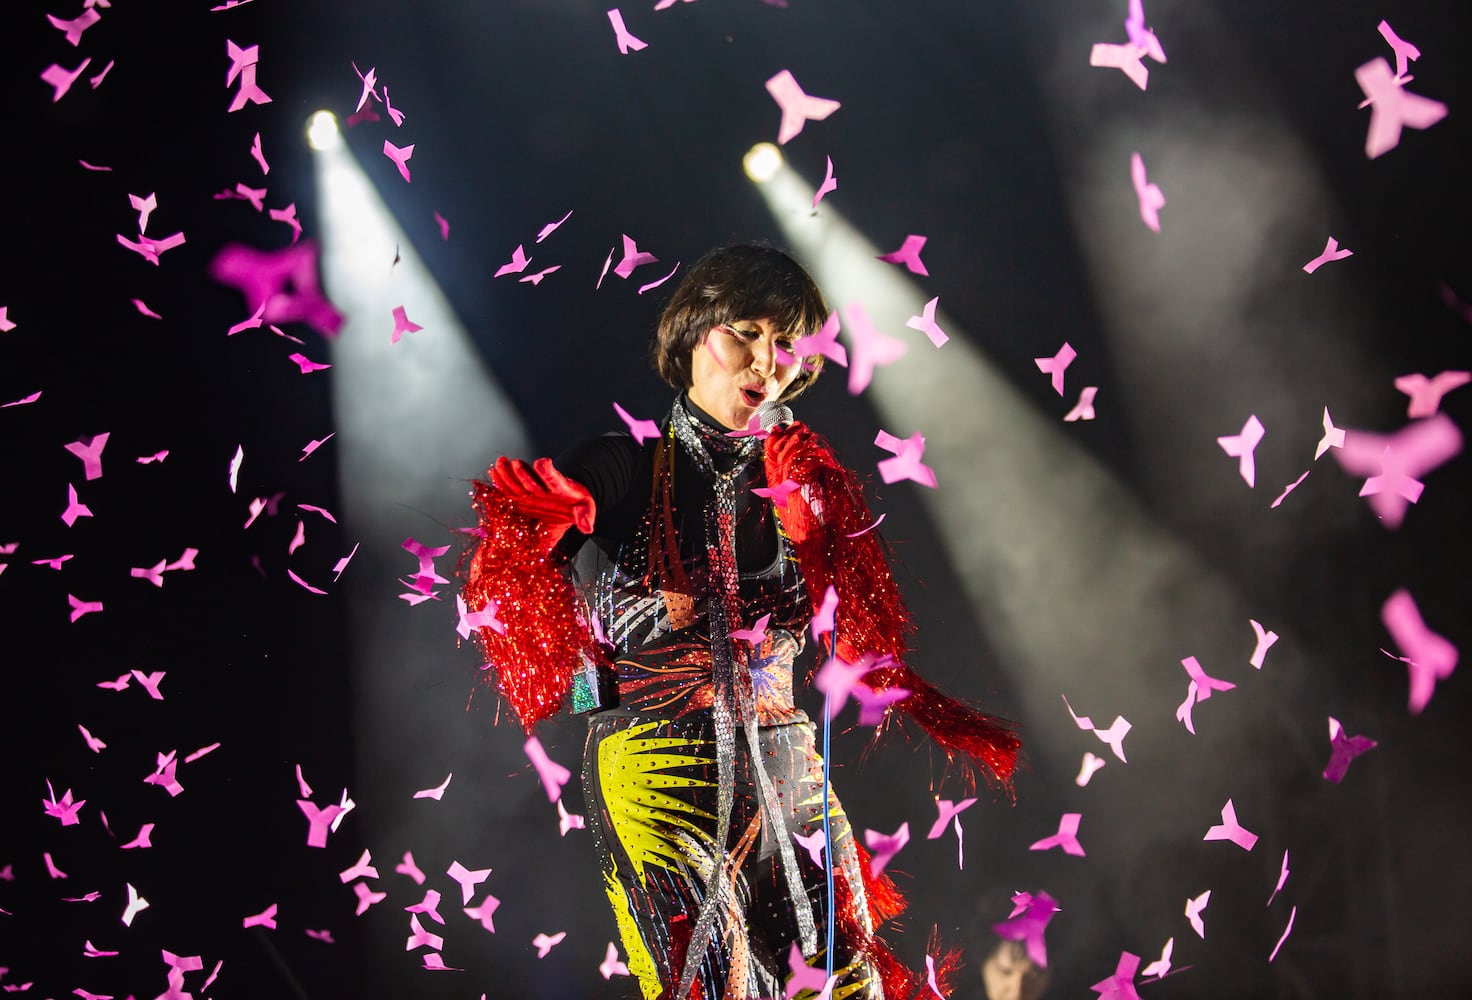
[[752, 397]]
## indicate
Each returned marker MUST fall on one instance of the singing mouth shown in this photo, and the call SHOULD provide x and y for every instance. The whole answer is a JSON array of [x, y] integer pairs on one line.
[[753, 396]]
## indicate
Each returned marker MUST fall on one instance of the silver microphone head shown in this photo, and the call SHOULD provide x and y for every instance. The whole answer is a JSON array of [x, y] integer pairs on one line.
[[773, 414]]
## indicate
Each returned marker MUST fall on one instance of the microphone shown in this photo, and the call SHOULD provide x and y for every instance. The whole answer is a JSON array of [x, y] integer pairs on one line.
[[773, 415]]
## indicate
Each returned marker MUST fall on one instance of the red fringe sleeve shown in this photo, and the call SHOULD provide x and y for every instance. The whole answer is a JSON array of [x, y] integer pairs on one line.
[[827, 521], [546, 632]]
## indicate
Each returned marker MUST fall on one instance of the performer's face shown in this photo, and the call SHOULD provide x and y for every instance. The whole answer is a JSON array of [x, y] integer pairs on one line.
[[737, 367]]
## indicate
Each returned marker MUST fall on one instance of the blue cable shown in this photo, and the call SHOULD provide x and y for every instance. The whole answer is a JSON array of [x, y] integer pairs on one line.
[[827, 836]]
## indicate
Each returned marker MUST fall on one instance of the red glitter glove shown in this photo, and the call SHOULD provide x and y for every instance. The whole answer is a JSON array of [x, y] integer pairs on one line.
[[543, 493]]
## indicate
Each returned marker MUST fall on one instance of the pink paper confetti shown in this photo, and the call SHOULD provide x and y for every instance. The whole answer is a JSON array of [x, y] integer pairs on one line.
[[142, 307], [1122, 57], [1027, 924], [73, 29], [1404, 51], [484, 618], [1055, 366], [797, 107], [1183, 711], [1205, 684], [1343, 748], [5, 322], [545, 943], [342, 564], [1084, 408], [927, 325], [22, 401], [421, 938], [318, 820], [1428, 657], [909, 255], [884, 846], [306, 364], [1087, 767], [367, 897], [288, 216], [437, 792], [485, 913], [304, 584], [948, 810], [551, 227], [90, 950], [814, 843], [642, 430], [81, 607], [362, 868], [1392, 107], [906, 464], [611, 966], [145, 208], [1161, 965], [518, 262], [96, 81], [61, 80], [830, 184], [74, 508], [1282, 875], [552, 774], [1194, 909], [1265, 640], [632, 258], [429, 906], [143, 840], [93, 743], [1231, 830], [1113, 737], [1278, 500], [153, 574], [1147, 194], [822, 622], [444, 226], [64, 809], [51, 868], [243, 63], [1426, 393], [1394, 463], [1333, 436], [777, 494], [568, 821], [874, 705], [94, 166], [1331, 253], [659, 281], [1121, 985], [409, 868], [1140, 36], [1066, 837], [626, 43], [536, 277], [801, 975], [754, 635], [1241, 447], [604, 273], [871, 348], [89, 450], [313, 445], [1292, 915], [400, 156], [824, 342], [864, 531]]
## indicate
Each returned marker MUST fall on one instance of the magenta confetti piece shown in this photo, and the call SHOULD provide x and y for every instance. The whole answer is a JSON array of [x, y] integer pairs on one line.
[[1230, 829], [906, 464], [1428, 657], [551, 227], [243, 63], [552, 774], [1126, 58], [874, 705], [1242, 447], [1343, 748], [802, 976], [864, 531], [75, 509], [839, 679], [319, 818], [626, 42], [1121, 985], [632, 258], [73, 29], [1292, 915], [822, 622], [1087, 767], [546, 942], [362, 868], [400, 156], [814, 843], [93, 743], [659, 281], [1331, 252], [568, 821], [1066, 837], [754, 635], [777, 494], [1055, 366], [927, 325], [437, 792], [64, 809], [824, 342], [444, 225], [1141, 37], [1333, 436], [421, 938], [1282, 875], [1113, 737], [871, 349], [485, 913], [797, 107], [429, 906], [1205, 684], [1151, 199], [6, 325], [467, 878], [829, 185], [484, 618], [306, 364], [884, 846], [535, 278], [642, 430], [1426, 393], [367, 897], [1194, 909], [80, 607], [1392, 107], [1084, 408], [136, 905], [288, 216], [1265, 639], [61, 80], [313, 445], [1394, 463], [1027, 924], [611, 966], [1278, 500], [1183, 710], [947, 810], [908, 254], [518, 262], [1161, 965], [1404, 51]]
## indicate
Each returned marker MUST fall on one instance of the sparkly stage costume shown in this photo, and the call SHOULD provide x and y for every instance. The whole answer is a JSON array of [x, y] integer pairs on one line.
[[700, 779]]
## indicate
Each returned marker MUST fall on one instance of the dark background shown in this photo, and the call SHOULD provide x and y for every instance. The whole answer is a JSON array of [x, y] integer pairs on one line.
[[952, 126]]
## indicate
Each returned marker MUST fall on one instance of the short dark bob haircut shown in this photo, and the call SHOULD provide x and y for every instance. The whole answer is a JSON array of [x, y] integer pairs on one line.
[[742, 282]]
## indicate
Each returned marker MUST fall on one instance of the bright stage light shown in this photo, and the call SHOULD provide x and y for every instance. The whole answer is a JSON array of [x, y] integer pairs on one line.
[[322, 131], [762, 162]]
